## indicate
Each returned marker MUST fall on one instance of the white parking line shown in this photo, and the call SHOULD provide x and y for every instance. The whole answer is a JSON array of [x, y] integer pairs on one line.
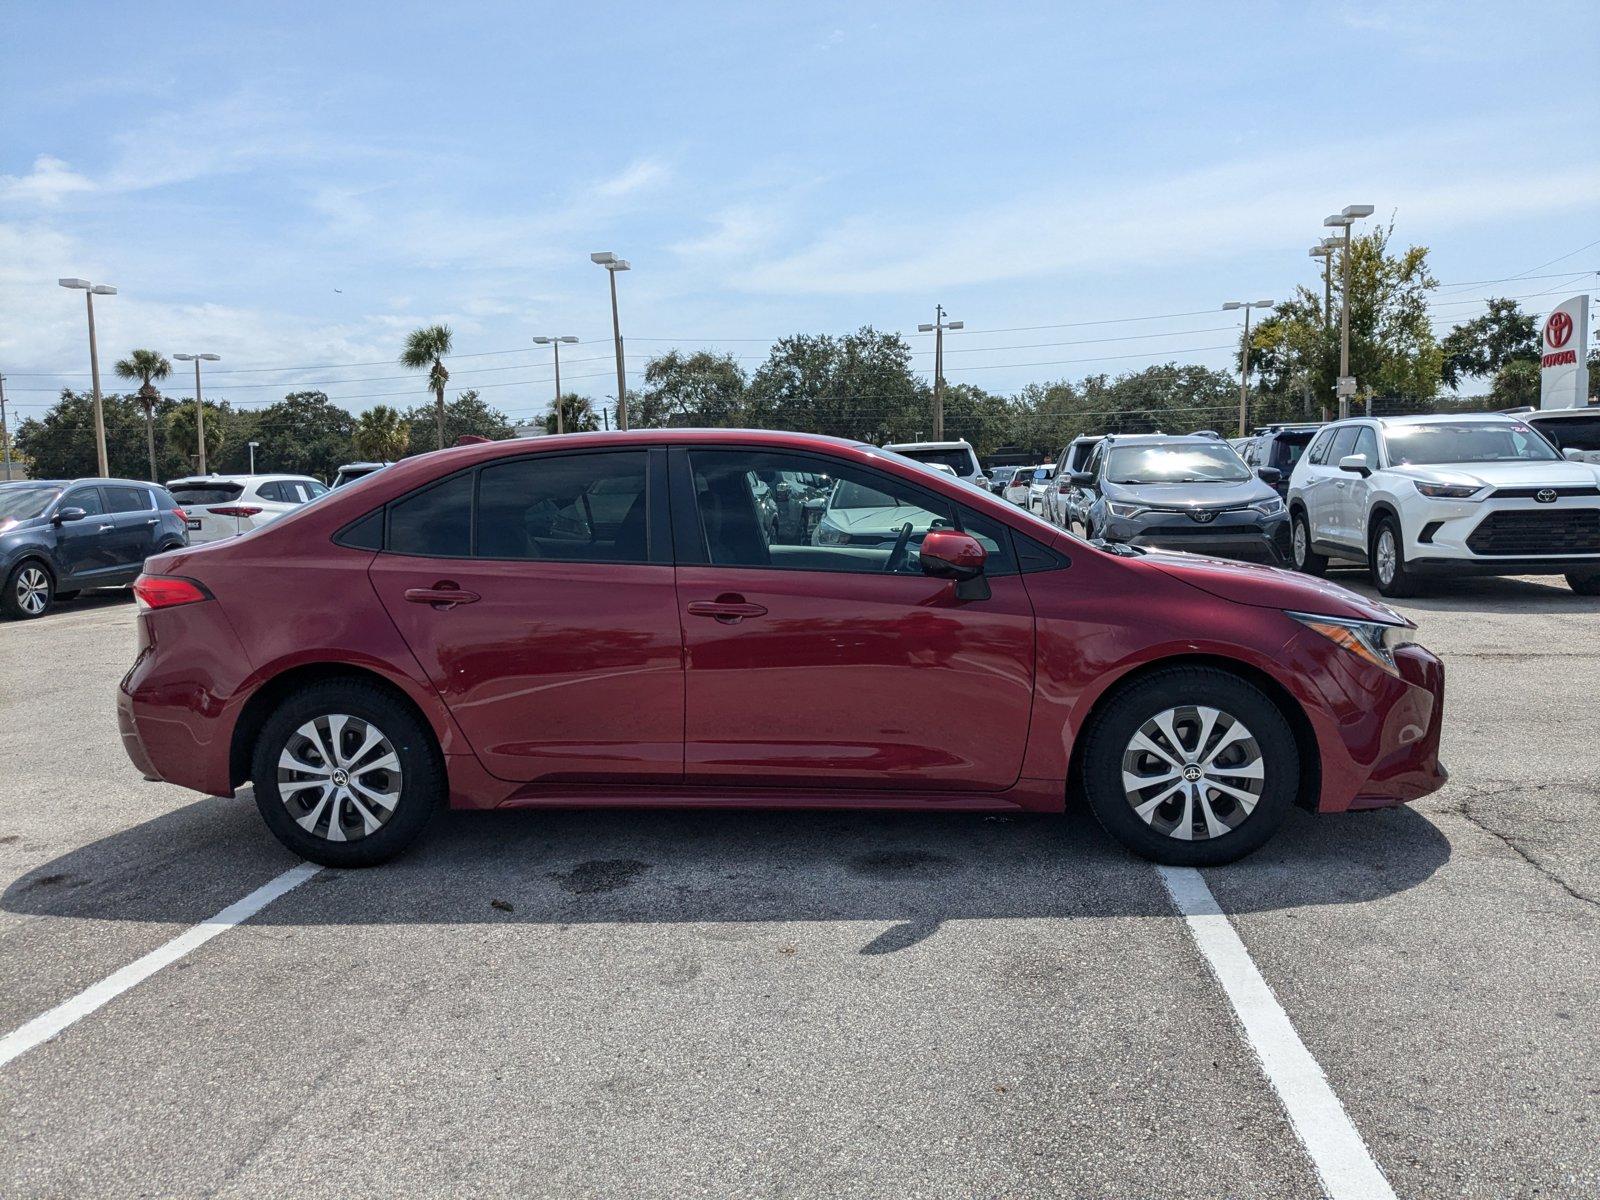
[[46, 1025], [1345, 1165]]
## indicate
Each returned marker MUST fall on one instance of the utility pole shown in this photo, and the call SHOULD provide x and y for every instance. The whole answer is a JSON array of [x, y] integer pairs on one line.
[[937, 329], [555, 344], [5, 438], [1344, 219], [1244, 358], [613, 264], [199, 408]]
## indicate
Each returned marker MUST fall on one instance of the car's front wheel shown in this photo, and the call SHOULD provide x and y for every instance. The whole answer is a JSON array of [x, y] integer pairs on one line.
[[1584, 585], [1386, 559], [345, 774], [28, 591], [1191, 766]]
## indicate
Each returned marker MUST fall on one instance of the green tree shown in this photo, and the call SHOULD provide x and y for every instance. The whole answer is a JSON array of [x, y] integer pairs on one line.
[[381, 434], [700, 389], [858, 386], [183, 442], [146, 366], [466, 414], [1394, 355], [1482, 346], [983, 418], [304, 434], [577, 415], [1516, 384], [425, 350]]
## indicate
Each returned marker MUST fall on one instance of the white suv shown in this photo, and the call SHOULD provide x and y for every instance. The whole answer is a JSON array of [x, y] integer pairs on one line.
[[220, 506], [960, 457], [1476, 494]]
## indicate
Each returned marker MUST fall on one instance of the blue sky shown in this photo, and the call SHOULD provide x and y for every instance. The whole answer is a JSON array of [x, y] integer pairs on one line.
[[299, 185]]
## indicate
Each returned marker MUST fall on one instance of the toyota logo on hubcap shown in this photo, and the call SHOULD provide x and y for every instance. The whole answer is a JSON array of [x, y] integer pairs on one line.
[[1191, 773], [341, 777], [1545, 495]]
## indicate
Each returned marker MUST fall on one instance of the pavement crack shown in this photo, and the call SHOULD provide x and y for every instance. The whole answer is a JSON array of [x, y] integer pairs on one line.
[[1463, 809]]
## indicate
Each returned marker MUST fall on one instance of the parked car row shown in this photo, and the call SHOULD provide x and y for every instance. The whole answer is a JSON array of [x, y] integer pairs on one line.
[[1407, 497]]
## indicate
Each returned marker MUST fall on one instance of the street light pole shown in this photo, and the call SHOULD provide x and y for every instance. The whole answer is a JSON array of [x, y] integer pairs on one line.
[[253, 446], [555, 344], [613, 264], [90, 291], [199, 408], [1244, 358], [937, 329], [5, 437], [1344, 219]]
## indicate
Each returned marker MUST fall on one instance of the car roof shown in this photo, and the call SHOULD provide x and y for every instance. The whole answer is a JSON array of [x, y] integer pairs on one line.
[[1165, 439], [957, 445], [214, 478], [1440, 419], [1562, 414]]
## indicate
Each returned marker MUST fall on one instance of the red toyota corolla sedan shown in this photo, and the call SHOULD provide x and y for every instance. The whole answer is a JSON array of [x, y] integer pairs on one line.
[[753, 619]]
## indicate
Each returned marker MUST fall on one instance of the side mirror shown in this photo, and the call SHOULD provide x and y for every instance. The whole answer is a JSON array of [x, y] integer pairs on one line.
[[1268, 474], [1083, 479], [68, 514], [1572, 455], [951, 554], [1356, 464]]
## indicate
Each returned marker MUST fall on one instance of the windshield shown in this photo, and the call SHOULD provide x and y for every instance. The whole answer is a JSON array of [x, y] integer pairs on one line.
[[1287, 449], [1465, 442], [23, 503], [1217, 463], [958, 459]]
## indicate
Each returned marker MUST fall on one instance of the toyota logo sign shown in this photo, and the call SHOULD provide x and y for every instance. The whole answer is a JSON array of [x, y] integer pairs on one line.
[[1545, 495], [1558, 329], [1202, 515]]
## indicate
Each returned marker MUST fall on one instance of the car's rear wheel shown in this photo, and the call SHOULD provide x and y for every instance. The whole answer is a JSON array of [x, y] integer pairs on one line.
[[345, 774], [28, 592], [1305, 558], [1386, 558], [1191, 766], [1584, 585]]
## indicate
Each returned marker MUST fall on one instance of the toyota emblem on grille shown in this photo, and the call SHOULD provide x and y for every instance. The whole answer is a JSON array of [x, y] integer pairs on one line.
[[1203, 515], [1545, 495]]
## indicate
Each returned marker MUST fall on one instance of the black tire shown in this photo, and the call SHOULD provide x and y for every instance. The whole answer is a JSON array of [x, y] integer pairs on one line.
[[1109, 740], [1584, 585], [1391, 577], [1301, 554], [421, 784], [29, 591]]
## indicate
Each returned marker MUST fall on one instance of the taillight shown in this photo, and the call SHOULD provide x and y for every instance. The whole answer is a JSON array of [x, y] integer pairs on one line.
[[167, 591], [180, 514], [235, 510]]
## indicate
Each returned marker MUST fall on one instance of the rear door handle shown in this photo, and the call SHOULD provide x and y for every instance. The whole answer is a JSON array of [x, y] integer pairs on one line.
[[442, 595], [153, 521], [728, 611]]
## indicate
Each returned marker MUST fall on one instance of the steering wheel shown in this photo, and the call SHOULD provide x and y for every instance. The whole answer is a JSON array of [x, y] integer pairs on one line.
[[897, 556]]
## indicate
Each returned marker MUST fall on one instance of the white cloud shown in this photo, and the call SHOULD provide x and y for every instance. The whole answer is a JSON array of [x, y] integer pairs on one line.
[[46, 185], [637, 177]]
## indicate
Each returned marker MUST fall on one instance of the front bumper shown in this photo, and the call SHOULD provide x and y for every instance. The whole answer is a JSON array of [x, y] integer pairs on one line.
[[1241, 534]]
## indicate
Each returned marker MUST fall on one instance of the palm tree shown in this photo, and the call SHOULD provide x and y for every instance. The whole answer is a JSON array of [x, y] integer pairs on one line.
[[577, 415], [426, 347], [147, 365], [382, 434]]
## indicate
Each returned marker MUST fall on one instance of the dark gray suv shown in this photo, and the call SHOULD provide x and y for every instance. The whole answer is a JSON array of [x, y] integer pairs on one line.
[[59, 536], [1182, 493]]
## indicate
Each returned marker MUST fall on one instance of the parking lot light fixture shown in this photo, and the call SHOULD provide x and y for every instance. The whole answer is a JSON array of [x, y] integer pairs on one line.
[[1325, 251], [90, 291], [1344, 219], [199, 409], [1244, 357], [555, 344], [613, 264]]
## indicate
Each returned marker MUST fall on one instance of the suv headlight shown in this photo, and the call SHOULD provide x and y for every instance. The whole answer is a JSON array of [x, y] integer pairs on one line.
[[1119, 509], [1268, 508], [1374, 641], [1449, 491]]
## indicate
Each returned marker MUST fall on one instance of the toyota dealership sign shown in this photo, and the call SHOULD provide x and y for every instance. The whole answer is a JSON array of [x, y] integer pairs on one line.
[[1563, 365]]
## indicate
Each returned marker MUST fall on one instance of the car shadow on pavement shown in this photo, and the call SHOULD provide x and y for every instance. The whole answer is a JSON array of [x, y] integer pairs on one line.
[[916, 870], [1477, 594]]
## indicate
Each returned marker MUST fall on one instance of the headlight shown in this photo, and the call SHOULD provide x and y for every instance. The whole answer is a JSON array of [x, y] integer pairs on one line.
[[1268, 508], [1372, 640], [1448, 491], [831, 535], [1126, 510]]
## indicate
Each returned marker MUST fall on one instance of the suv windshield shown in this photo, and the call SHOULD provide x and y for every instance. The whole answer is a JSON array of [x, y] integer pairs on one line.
[[24, 502], [1465, 442], [1217, 463], [957, 459]]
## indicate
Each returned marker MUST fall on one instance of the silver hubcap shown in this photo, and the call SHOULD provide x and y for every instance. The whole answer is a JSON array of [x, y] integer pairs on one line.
[[33, 590], [1386, 556], [1193, 773], [339, 777], [1299, 544]]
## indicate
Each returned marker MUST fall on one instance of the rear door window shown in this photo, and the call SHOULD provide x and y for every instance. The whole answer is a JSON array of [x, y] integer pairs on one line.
[[121, 499], [435, 522], [568, 508]]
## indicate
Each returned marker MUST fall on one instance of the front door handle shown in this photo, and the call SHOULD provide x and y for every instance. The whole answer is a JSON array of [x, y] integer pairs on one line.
[[442, 595], [730, 610], [105, 529]]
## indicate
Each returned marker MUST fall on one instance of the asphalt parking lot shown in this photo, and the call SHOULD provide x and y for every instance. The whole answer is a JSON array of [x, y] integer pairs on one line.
[[710, 1004]]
